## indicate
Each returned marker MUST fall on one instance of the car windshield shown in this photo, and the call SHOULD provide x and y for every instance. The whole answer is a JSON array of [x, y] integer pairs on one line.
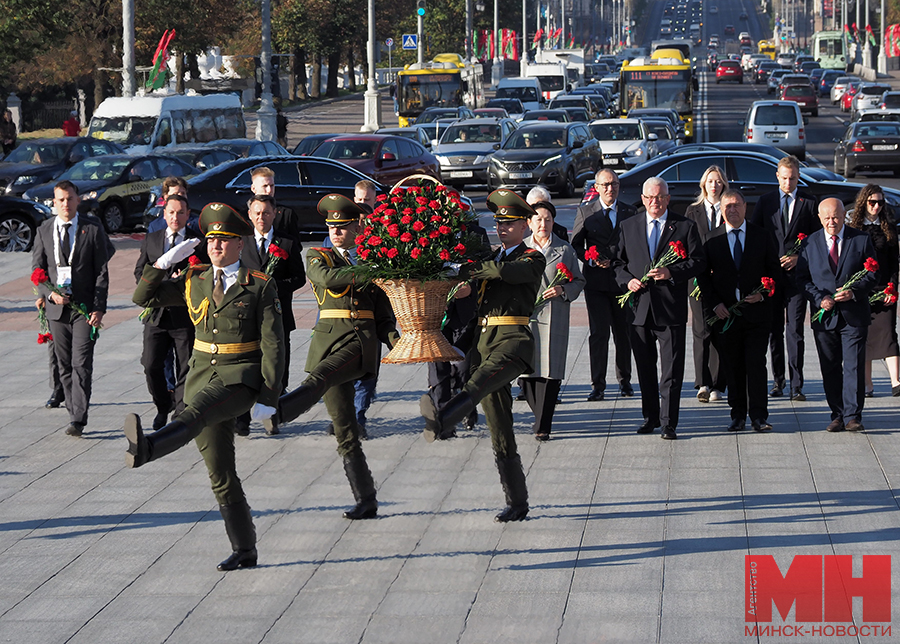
[[431, 117], [616, 131], [660, 130], [96, 169], [126, 130], [37, 153], [872, 90], [543, 138], [882, 129], [350, 149], [471, 134]]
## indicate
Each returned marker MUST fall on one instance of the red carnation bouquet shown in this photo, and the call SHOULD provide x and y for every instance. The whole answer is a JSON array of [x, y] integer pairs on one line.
[[276, 254], [674, 253], [767, 286], [869, 266], [38, 277], [888, 296], [592, 256], [798, 244], [563, 276]]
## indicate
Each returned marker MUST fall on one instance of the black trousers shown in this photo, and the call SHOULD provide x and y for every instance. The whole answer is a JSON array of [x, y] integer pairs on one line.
[[157, 344], [743, 351], [790, 315], [707, 366], [541, 395], [74, 351], [842, 357], [605, 315], [55, 382], [670, 356]]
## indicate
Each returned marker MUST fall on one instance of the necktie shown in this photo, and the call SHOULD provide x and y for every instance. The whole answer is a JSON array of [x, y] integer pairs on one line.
[[349, 258], [716, 216], [262, 248], [218, 293], [738, 252], [609, 215], [65, 246], [786, 210], [654, 238], [833, 254]]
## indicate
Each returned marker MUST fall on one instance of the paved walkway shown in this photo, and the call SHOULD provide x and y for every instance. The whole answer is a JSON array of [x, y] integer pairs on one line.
[[630, 538]]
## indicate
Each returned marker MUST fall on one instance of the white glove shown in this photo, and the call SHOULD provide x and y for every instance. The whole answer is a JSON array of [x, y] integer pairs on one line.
[[462, 354], [177, 254], [262, 412]]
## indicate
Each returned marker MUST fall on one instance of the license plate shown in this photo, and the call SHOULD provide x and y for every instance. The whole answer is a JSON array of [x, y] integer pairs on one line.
[[461, 174], [776, 135], [519, 175], [884, 147]]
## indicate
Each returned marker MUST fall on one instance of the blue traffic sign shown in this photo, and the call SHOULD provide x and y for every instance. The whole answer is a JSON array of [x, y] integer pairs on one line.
[[389, 42], [410, 41]]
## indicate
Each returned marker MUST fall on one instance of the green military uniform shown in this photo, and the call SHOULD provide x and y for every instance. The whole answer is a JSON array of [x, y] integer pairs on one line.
[[237, 361], [353, 319], [507, 288]]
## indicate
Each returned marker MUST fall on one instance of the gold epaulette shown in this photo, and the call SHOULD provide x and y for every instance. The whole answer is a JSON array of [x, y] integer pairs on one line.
[[260, 275]]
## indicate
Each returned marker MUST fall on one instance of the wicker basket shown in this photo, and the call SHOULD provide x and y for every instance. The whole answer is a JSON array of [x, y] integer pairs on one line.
[[419, 307]]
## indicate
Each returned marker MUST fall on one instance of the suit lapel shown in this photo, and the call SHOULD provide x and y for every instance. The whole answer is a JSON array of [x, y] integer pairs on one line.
[[665, 235]]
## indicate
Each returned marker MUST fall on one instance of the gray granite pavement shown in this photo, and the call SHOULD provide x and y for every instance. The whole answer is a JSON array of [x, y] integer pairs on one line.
[[630, 538]]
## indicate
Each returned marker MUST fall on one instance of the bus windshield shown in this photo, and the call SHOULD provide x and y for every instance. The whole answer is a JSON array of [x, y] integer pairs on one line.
[[658, 93], [125, 130], [428, 90]]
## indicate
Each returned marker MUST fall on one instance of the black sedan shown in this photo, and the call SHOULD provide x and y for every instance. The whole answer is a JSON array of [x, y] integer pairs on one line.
[[40, 160], [201, 157], [116, 188], [251, 147], [19, 219], [310, 142], [868, 145], [753, 174]]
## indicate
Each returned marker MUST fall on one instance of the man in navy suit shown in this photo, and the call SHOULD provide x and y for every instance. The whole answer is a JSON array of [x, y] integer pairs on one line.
[[787, 213], [597, 224], [738, 256], [660, 305], [827, 261]]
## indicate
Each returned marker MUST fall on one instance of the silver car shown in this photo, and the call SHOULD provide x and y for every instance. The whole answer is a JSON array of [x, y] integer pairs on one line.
[[869, 95], [840, 85], [466, 148]]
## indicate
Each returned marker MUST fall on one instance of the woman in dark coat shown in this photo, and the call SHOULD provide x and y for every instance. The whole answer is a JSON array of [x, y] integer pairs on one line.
[[874, 216]]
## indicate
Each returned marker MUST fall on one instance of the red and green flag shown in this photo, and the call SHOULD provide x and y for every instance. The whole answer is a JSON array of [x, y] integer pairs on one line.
[[157, 77]]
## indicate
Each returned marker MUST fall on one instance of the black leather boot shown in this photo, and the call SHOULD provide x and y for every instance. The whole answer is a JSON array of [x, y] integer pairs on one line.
[[241, 533], [143, 449], [440, 424], [57, 398], [512, 478], [357, 471], [293, 404]]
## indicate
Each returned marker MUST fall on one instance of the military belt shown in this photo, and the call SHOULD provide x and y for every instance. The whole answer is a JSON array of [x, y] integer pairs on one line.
[[344, 314], [231, 347], [504, 320]]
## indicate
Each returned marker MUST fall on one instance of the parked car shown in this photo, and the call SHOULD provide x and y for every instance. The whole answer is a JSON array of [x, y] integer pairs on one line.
[[466, 148], [868, 146], [729, 70], [37, 161], [432, 114], [311, 141], [840, 85], [251, 147], [560, 116], [869, 95], [200, 156], [385, 158], [19, 219], [625, 143], [557, 155], [116, 187], [804, 95], [513, 106]]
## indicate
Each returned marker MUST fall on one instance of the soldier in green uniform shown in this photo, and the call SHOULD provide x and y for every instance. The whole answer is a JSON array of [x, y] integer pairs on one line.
[[237, 363], [353, 319], [507, 288]]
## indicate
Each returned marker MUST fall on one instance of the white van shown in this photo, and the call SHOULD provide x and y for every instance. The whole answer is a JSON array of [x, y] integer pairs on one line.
[[144, 123], [527, 90], [777, 123]]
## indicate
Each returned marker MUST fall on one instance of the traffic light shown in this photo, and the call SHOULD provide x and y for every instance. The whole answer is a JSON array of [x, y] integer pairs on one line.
[[420, 7]]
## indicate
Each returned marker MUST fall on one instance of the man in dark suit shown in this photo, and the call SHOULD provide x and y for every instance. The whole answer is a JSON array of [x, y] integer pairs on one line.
[[167, 328], [597, 224], [74, 250], [660, 304], [261, 250], [786, 213], [738, 256], [827, 260], [262, 182]]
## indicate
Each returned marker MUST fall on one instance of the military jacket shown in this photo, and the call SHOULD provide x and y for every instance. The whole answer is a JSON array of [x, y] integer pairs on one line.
[[250, 312], [337, 289]]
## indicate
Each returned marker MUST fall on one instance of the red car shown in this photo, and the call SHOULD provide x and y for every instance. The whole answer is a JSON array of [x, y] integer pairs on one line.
[[729, 70], [384, 157], [847, 96], [804, 96]]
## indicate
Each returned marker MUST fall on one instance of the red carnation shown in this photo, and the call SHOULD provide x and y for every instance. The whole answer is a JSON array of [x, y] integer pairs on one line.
[[459, 248], [392, 252], [592, 255], [871, 265], [678, 247], [389, 212], [562, 268], [422, 200], [380, 208], [416, 252], [433, 234], [396, 200], [43, 338], [440, 188], [434, 204], [374, 240], [381, 198], [39, 276], [193, 260], [801, 236], [420, 210], [361, 238], [406, 237], [464, 207], [423, 242], [444, 230], [435, 218], [278, 251], [444, 254], [407, 212], [417, 226], [364, 253], [393, 230], [769, 285]]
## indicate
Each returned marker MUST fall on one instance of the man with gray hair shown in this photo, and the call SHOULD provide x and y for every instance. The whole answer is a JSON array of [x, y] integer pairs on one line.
[[660, 303]]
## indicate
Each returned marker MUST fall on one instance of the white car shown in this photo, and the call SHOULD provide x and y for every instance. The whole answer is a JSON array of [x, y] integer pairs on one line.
[[869, 95], [625, 143]]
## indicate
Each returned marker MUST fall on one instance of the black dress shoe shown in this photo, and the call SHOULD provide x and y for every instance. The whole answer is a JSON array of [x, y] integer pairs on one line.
[[520, 395], [517, 513], [761, 426], [362, 510], [895, 391], [737, 426], [647, 427], [626, 390], [835, 426], [798, 396], [472, 420], [870, 394], [542, 437], [271, 426], [595, 395], [854, 426], [56, 399], [668, 433], [75, 429], [241, 427], [776, 391], [160, 420], [240, 559]]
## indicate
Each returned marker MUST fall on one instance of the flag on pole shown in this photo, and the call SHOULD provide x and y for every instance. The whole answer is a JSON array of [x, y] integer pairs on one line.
[[157, 77], [537, 38], [871, 35]]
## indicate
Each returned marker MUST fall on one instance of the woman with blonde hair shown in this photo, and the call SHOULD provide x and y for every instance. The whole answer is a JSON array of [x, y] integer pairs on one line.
[[705, 212]]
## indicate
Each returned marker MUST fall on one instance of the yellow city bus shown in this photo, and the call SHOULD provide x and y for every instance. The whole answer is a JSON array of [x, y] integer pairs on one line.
[[446, 81], [665, 80], [767, 47]]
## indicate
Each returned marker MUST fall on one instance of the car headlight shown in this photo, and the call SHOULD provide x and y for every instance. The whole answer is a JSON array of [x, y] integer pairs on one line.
[[25, 179], [442, 159], [47, 202], [93, 194], [44, 209], [497, 163], [553, 159], [481, 159]]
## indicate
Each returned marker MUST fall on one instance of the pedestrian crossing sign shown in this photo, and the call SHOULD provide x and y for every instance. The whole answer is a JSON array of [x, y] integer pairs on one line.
[[410, 41]]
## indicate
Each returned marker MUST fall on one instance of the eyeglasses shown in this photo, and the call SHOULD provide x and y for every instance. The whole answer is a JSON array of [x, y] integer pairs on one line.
[[655, 197], [608, 185], [875, 202]]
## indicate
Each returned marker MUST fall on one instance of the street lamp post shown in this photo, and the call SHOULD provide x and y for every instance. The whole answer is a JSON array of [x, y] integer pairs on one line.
[[128, 48], [469, 30], [867, 50], [266, 129], [882, 57], [497, 66], [372, 95], [523, 54]]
